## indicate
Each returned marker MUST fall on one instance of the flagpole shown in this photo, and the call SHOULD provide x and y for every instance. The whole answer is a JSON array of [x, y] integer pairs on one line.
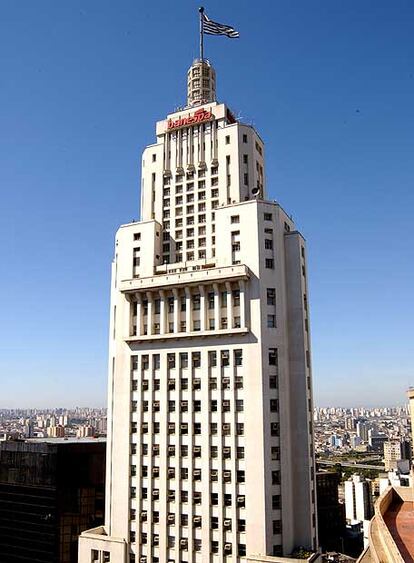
[[201, 10]]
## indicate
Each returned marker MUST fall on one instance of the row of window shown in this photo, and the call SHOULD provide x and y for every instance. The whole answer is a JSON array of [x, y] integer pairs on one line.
[[183, 542], [197, 405], [171, 474], [196, 385], [195, 359], [225, 429], [184, 449]]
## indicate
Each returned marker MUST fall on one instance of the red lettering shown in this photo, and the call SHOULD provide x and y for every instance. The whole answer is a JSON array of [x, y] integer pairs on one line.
[[199, 116]]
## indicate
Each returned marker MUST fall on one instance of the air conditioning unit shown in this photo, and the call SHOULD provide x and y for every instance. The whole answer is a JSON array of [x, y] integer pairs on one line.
[[171, 472], [197, 472], [227, 547], [171, 518], [227, 474], [171, 495], [227, 523], [171, 449], [240, 500], [197, 519], [171, 426], [143, 559], [226, 427], [226, 451], [184, 542], [184, 426], [197, 449], [183, 404], [225, 380], [143, 515], [214, 473]]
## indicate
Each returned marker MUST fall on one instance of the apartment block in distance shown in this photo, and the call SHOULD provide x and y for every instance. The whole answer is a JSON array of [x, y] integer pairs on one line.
[[210, 449]]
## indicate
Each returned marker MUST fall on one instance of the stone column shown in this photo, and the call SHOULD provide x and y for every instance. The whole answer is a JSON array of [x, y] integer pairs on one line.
[[229, 305], [201, 289], [216, 306], [162, 312], [188, 315], [242, 288], [176, 313], [150, 315]]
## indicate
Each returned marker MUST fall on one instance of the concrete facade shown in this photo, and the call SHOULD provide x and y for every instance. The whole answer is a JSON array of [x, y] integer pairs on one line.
[[210, 449]]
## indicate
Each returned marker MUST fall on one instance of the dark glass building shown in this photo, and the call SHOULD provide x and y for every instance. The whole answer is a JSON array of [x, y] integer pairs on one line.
[[331, 514], [50, 491]]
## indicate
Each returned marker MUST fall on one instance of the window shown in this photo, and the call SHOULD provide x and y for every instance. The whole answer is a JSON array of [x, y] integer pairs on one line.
[[267, 216], [239, 405], [244, 138], [225, 358], [240, 476], [235, 219], [272, 356], [184, 519], [196, 326], [277, 526], [271, 321], [227, 139], [273, 382], [240, 452], [276, 504], [246, 179], [240, 429], [271, 296], [214, 499], [212, 358], [269, 263], [196, 357], [274, 405], [196, 302], [268, 244], [245, 159], [238, 357], [274, 429], [137, 236], [183, 360]]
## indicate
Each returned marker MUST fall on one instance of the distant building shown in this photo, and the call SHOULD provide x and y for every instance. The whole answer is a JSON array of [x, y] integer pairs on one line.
[[394, 451], [50, 491], [349, 423], [376, 441], [331, 513], [56, 432], [362, 431], [358, 499], [85, 431]]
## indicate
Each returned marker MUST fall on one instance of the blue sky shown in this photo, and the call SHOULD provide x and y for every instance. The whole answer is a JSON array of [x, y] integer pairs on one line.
[[330, 87]]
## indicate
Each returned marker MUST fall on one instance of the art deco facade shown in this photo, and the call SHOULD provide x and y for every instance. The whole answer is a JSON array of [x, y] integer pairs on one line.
[[210, 453]]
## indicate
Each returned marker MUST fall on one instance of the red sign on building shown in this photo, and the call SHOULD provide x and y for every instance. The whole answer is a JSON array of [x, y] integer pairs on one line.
[[200, 116]]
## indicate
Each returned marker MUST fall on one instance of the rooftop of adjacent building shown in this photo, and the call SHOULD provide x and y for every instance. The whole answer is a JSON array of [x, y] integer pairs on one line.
[[391, 533]]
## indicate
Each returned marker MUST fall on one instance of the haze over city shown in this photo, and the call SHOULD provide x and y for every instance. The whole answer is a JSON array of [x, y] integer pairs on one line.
[[330, 89]]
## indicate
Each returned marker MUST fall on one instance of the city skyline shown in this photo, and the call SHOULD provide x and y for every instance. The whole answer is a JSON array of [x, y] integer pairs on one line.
[[333, 109]]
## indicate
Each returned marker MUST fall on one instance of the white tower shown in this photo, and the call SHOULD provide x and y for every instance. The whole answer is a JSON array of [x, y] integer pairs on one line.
[[210, 450]]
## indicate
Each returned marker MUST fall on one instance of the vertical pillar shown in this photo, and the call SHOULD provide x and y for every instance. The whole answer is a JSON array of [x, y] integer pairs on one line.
[[128, 315], [150, 315], [242, 288], [229, 305], [216, 306], [188, 325], [176, 314], [201, 289], [162, 312], [139, 314]]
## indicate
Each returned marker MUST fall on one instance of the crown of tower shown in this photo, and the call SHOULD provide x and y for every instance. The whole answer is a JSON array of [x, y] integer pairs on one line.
[[201, 83]]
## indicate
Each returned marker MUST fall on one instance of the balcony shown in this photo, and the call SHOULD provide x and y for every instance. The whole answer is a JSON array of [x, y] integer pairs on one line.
[[186, 278]]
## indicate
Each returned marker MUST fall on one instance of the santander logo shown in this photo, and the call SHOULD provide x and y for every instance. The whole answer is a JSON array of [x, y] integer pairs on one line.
[[200, 116]]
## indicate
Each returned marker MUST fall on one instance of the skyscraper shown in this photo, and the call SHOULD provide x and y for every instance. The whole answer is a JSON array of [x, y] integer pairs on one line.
[[210, 451]]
